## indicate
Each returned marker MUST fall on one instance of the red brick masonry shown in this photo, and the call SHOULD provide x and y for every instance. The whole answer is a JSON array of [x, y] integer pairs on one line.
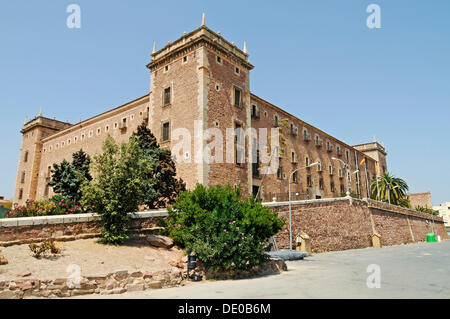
[[332, 224], [340, 224]]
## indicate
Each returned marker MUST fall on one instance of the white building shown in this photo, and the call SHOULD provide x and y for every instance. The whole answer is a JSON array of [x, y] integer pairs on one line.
[[444, 212]]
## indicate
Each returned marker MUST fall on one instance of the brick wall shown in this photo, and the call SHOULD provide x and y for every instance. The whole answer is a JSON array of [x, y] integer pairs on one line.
[[340, 224], [16, 231]]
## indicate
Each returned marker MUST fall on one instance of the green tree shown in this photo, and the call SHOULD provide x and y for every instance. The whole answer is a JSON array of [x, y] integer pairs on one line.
[[117, 188], [167, 186], [67, 178], [224, 230], [389, 189]]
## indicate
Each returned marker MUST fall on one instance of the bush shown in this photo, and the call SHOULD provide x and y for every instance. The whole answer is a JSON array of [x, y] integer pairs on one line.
[[225, 231], [57, 205]]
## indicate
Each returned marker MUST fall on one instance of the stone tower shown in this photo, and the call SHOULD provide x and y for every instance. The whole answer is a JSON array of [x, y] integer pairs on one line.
[[30, 155], [200, 82]]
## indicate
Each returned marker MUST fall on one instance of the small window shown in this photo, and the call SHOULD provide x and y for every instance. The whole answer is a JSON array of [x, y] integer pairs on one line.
[[116, 125], [293, 158], [307, 161], [132, 117], [69, 141], [294, 177], [237, 97], [75, 139], [237, 70], [98, 131], [218, 59], [22, 178], [90, 134], [280, 173], [166, 131], [25, 159], [107, 128], [166, 68], [57, 145], [62, 144], [347, 155], [185, 59], [321, 184], [275, 120], [166, 96], [217, 88], [82, 136], [20, 193], [308, 180]]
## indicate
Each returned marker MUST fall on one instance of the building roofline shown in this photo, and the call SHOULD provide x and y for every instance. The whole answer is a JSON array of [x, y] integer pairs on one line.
[[93, 118], [312, 126]]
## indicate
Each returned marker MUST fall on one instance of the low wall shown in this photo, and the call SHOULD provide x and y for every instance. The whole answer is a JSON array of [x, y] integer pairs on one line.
[[332, 224], [24, 230], [343, 223]]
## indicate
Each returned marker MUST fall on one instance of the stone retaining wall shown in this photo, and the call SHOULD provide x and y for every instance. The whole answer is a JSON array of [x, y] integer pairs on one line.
[[342, 223], [25, 230], [121, 281]]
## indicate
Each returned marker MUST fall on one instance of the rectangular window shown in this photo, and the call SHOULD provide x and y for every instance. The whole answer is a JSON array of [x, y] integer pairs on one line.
[[26, 157], [22, 178], [239, 147], [166, 132], [307, 161], [280, 173], [167, 96], [321, 183], [237, 97], [20, 193], [294, 177], [309, 180]]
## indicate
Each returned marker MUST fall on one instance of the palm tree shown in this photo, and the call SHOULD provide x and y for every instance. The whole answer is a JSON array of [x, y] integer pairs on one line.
[[389, 189]]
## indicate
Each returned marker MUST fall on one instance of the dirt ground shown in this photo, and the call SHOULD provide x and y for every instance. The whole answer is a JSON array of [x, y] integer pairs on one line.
[[92, 257]]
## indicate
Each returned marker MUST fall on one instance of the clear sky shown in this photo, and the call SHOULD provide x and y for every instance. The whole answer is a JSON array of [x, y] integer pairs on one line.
[[316, 59]]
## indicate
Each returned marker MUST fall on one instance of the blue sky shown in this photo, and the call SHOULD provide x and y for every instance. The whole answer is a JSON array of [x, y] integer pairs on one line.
[[316, 59]]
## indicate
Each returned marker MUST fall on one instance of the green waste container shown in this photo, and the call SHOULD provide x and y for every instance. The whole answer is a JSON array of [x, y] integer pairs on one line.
[[431, 238]]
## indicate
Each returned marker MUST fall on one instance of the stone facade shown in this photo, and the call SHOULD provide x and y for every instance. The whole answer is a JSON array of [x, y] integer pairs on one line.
[[340, 224], [198, 82]]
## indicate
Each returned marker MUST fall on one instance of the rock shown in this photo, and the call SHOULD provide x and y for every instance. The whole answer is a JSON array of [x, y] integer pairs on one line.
[[160, 241], [111, 284], [155, 284], [121, 274], [79, 292], [138, 287], [7, 294], [24, 274], [3, 260], [137, 274]]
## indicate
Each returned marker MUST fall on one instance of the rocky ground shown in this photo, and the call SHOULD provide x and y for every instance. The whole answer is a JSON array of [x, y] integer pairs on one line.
[[92, 258]]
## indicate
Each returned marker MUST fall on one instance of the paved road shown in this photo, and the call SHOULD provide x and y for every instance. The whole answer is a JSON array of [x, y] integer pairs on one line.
[[407, 271]]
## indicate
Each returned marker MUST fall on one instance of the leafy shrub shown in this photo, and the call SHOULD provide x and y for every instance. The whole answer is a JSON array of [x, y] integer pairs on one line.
[[427, 210], [57, 205], [46, 247], [225, 231]]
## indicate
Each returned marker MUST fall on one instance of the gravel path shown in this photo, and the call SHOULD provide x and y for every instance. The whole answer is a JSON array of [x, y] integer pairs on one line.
[[92, 257]]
